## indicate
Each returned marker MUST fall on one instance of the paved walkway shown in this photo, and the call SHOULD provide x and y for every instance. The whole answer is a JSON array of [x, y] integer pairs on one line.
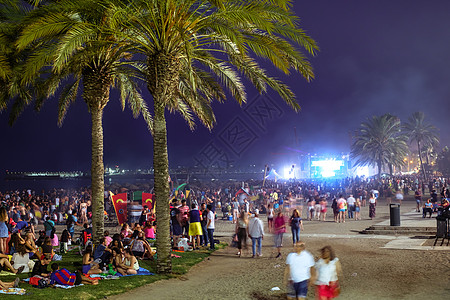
[[410, 218]]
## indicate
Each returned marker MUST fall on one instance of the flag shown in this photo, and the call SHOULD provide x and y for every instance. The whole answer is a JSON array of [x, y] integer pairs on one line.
[[147, 199], [120, 206], [187, 193], [181, 186], [241, 191], [137, 196]]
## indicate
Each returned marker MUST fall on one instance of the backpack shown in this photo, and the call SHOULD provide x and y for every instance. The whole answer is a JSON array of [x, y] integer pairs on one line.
[[42, 283], [69, 220]]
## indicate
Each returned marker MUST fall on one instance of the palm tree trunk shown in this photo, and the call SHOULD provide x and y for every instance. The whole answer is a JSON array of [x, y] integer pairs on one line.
[[97, 175], [96, 95], [162, 82], [161, 175], [379, 169], [421, 162]]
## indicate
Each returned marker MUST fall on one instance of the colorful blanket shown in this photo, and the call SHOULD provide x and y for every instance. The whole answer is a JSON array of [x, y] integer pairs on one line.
[[141, 271], [13, 291]]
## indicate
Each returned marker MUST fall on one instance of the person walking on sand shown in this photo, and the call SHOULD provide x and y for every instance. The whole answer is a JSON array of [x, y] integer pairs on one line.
[[242, 232], [256, 233], [210, 226], [372, 205], [270, 217], [279, 229], [328, 270], [357, 209], [299, 271], [296, 225], [341, 203]]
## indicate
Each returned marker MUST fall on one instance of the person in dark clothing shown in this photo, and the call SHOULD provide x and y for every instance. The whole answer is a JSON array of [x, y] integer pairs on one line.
[[40, 268], [102, 253], [204, 222], [143, 217]]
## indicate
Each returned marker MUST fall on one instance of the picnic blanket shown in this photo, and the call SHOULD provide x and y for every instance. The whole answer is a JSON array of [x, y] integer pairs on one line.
[[141, 271], [13, 291], [67, 286], [58, 285]]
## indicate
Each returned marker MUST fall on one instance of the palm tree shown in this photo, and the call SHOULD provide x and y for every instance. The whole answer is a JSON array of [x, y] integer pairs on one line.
[[11, 13], [379, 141], [192, 50], [421, 132], [70, 41]]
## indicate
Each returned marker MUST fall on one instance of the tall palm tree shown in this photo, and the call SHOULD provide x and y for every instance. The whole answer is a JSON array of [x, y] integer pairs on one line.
[[421, 132], [193, 50], [379, 141], [75, 48]]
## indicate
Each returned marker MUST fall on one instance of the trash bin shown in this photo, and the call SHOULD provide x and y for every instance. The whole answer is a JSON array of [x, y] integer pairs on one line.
[[394, 212], [441, 228]]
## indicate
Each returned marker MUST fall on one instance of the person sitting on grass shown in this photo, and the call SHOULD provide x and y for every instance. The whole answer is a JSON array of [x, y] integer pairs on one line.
[[40, 268], [102, 254], [9, 285], [89, 266], [64, 277], [130, 265], [18, 244], [47, 248], [107, 237], [21, 258], [116, 242], [141, 248], [117, 257], [5, 264], [149, 230]]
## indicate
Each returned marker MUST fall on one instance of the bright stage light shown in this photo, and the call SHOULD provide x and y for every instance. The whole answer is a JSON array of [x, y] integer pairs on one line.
[[288, 173], [362, 171], [327, 168]]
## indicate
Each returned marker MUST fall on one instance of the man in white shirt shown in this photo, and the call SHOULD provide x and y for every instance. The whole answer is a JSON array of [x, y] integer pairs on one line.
[[256, 233], [350, 206], [299, 270], [210, 226]]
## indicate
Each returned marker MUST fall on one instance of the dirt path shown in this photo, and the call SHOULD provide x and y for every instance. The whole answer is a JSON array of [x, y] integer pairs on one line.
[[370, 272]]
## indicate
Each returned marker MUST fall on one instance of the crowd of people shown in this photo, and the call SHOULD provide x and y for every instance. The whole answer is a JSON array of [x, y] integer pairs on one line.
[[192, 218]]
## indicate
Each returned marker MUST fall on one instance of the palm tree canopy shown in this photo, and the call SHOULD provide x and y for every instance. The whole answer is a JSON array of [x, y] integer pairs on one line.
[[419, 131], [72, 49], [380, 141], [210, 43]]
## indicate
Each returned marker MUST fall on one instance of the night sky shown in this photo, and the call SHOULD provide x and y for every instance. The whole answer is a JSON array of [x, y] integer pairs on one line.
[[376, 57]]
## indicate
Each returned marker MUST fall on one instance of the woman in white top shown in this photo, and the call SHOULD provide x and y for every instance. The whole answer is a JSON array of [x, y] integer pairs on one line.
[[130, 264], [372, 204], [327, 269]]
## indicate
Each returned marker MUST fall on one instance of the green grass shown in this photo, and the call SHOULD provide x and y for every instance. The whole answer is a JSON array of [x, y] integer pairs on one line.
[[180, 266]]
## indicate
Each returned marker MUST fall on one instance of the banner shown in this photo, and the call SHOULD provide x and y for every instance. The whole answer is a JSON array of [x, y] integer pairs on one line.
[[147, 199], [120, 206], [137, 196]]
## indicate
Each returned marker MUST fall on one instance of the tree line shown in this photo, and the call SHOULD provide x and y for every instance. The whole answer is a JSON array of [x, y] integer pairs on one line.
[[186, 53], [384, 142]]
